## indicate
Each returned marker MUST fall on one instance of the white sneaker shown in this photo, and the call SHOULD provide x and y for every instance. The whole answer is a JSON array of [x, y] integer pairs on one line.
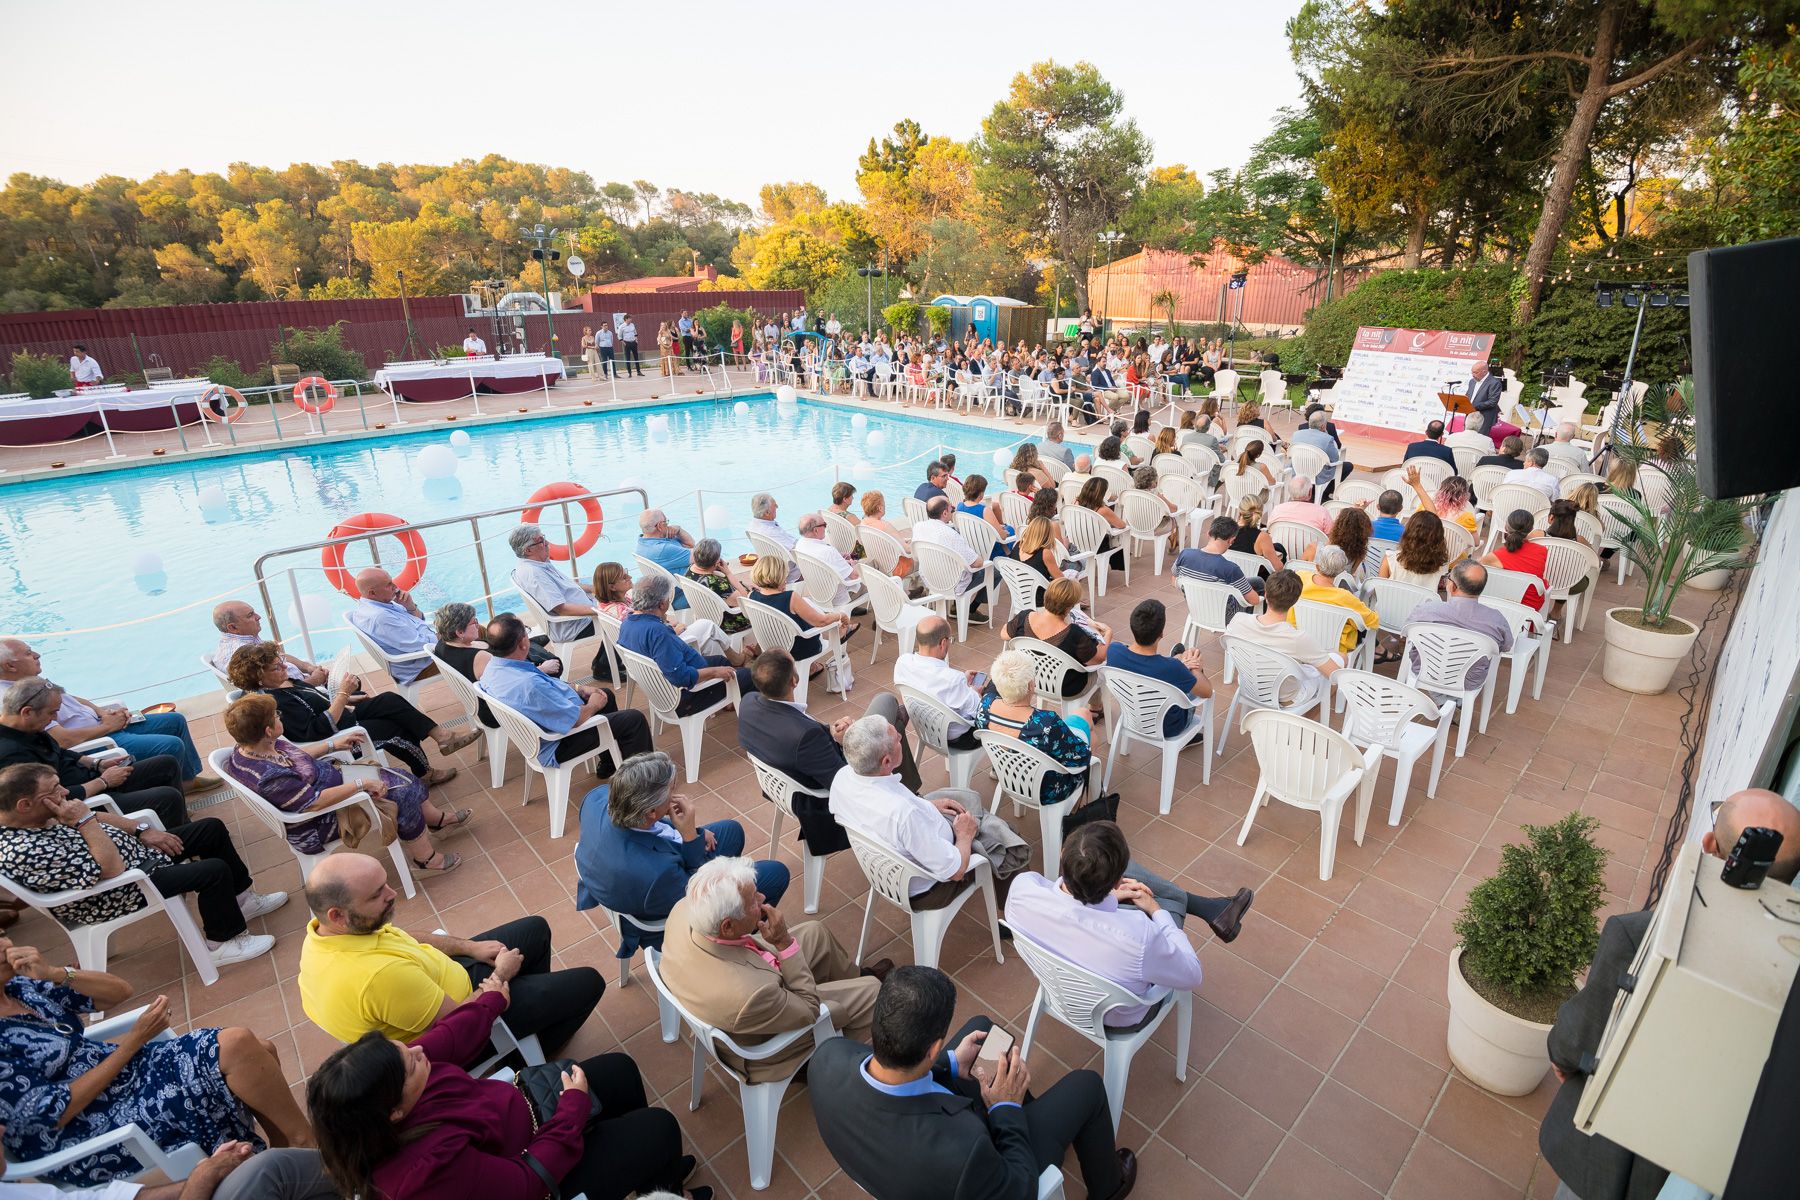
[[242, 948], [255, 904]]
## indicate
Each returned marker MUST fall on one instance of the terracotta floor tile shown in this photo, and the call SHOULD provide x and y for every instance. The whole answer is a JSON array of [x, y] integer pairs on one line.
[[1408, 1019], [1397, 1080], [1435, 1172], [1336, 982], [1356, 1135], [1297, 1170], [1266, 1077], [1223, 1135], [1303, 1026], [1481, 1128]]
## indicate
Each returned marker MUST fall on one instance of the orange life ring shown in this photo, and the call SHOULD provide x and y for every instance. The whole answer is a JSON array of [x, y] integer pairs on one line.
[[596, 518], [233, 400], [302, 396], [333, 556]]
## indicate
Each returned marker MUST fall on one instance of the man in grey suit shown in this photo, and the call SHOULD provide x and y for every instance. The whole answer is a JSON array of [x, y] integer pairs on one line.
[[1589, 1166], [1483, 390], [915, 1120]]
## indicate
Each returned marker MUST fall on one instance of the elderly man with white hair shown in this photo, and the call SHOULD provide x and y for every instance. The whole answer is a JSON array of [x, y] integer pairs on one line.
[[393, 622], [813, 545], [700, 676], [1299, 506], [1315, 433], [568, 601], [668, 546], [240, 625], [762, 521], [1564, 449], [1533, 473], [732, 961]]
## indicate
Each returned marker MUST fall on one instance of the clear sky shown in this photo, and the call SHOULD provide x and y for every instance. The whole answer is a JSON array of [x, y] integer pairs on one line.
[[760, 91]]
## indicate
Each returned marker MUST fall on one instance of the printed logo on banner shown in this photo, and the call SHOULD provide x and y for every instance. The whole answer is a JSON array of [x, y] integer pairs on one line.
[[1394, 375]]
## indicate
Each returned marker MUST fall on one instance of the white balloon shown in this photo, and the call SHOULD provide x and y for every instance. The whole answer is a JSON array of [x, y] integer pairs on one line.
[[784, 395], [718, 518], [863, 469], [461, 443], [315, 609], [859, 421], [1002, 458], [740, 410], [436, 462], [146, 562], [212, 497], [659, 429], [877, 439]]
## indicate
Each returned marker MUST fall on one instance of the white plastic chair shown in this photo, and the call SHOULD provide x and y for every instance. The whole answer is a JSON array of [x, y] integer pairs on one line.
[[1308, 463], [647, 566], [1272, 387], [1209, 609], [279, 821], [1445, 654], [882, 549], [90, 941], [1356, 491], [1193, 506], [1504, 498], [1091, 542], [1139, 706], [776, 630], [1566, 565], [839, 531], [1458, 540], [527, 735], [914, 508], [704, 604], [664, 697], [1250, 563], [768, 547], [1140, 446], [668, 1020], [891, 611], [493, 745], [978, 533], [1015, 509], [1393, 601], [1023, 584], [819, 583], [1575, 479], [1049, 1186], [1325, 623], [1379, 711], [1021, 771], [1203, 458], [1511, 585], [1225, 384], [942, 568], [931, 719], [1262, 673], [1172, 464], [1533, 636], [1432, 473], [1617, 535], [1081, 1000], [541, 621], [891, 873], [1237, 485], [779, 789], [386, 661], [1296, 537], [207, 662], [1312, 766], [1146, 523], [1049, 666], [606, 632], [761, 1101], [1483, 480]]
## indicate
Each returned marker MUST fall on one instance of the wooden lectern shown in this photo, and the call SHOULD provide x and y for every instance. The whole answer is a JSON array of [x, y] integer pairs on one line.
[[1455, 402]]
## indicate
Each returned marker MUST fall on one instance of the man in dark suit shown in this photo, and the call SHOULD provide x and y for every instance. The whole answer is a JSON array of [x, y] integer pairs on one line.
[[773, 728], [916, 1121], [1483, 390], [1432, 447]]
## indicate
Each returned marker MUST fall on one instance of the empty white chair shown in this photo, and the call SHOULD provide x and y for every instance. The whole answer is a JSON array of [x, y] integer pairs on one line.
[[1273, 391], [1081, 1000], [1023, 584], [1533, 636], [1567, 563], [1146, 523], [892, 611], [1209, 610], [90, 941], [493, 745], [1262, 675], [279, 821], [1225, 385], [1309, 765], [1021, 771], [1484, 480], [1049, 666], [1325, 623], [664, 699], [527, 735], [942, 568], [1443, 655], [386, 661], [1139, 705], [779, 789], [891, 874], [1379, 711], [931, 719], [761, 1101], [1357, 490]]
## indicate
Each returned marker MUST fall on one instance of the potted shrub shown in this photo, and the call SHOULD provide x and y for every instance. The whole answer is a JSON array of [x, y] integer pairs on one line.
[[1674, 535], [1525, 933]]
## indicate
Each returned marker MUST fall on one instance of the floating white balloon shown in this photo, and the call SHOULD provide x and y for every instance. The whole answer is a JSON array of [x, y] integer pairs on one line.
[[314, 611], [859, 421], [740, 410], [785, 396], [631, 481], [877, 439], [718, 519], [436, 462], [461, 443], [659, 428], [1002, 458], [147, 562], [214, 505]]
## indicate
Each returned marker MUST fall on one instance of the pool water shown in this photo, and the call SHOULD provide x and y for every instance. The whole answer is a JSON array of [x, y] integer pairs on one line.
[[71, 549]]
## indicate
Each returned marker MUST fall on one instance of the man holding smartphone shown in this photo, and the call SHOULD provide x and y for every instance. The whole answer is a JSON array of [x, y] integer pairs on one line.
[[909, 1118], [27, 710]]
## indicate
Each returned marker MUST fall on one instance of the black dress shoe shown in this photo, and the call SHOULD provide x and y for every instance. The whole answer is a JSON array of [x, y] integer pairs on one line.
[[1128, 1172], [1228, 923]]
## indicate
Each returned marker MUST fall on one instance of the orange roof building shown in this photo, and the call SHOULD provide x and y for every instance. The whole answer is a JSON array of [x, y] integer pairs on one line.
[[1277, 294]]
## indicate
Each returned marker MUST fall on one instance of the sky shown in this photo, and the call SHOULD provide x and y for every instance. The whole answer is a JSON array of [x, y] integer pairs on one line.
[[703, 95]]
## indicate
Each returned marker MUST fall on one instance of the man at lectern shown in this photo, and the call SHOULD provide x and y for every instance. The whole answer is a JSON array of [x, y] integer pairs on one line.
[[1483, 391]]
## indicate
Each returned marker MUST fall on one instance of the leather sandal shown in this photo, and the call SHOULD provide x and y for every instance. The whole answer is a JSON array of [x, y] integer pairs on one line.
[[450, 863], [459, 818]]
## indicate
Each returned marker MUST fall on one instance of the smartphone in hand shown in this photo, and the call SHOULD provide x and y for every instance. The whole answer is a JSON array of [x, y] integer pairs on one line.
[[979, 680], [994, 1048]]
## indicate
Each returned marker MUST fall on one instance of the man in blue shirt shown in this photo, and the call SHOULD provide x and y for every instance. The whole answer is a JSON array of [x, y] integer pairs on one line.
[[1183, 669], [1209, 565], [646, 631], [393, 622], [554, 706], [668, 546], [1432, 447], [936, 474], [1313, 434]]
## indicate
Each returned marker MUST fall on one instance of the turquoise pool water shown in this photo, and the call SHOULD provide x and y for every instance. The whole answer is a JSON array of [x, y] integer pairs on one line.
[[71, 549]]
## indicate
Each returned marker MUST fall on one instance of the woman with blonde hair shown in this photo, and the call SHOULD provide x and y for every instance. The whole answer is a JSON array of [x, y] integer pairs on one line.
[[769, 585], [1165, 439], [1037, 550], [665, 343], [1253, 536]]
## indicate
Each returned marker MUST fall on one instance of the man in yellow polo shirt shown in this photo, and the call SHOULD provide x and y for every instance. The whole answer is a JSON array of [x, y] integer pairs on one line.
[[360, 973], [1328, 564]]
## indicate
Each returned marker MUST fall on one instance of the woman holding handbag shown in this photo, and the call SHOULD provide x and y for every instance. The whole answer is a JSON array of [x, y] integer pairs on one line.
[[402, 1121]]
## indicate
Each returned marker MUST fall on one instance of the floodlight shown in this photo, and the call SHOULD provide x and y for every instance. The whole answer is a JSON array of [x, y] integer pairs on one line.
[[1634, 300], [1659, 299], [1603, 298]]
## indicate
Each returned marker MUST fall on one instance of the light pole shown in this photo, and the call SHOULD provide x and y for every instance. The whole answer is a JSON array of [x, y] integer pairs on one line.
[[1112, 238], [545, 256], [869, 274]]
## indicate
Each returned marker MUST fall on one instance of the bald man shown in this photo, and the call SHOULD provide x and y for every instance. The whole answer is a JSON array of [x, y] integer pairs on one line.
[[240, 625], [392, 621], [359, 972], [1590, 1167]]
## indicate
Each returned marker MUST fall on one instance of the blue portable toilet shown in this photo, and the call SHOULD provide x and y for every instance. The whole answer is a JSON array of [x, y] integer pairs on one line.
[[984, 313]]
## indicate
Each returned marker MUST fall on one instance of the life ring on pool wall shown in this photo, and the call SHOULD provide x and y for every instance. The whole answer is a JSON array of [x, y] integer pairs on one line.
[[333, 556], [590, 533], [303, 395], [222, 404]]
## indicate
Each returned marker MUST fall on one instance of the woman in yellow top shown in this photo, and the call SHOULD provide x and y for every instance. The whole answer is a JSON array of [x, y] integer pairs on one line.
[[1331, 562]]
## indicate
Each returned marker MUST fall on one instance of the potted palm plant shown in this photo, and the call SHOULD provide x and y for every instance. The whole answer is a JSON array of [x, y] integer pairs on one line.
[[1526, 932], [1673, 534]]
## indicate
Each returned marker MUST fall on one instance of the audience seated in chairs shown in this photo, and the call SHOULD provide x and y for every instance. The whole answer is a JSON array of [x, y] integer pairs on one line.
[[707, 568], [698, 674], [730, 959], [913, 1117], [936, 832], [1208, 564], [359, 973], [462, 642], [1184, 670], [568, 602], [668, 546], [1272, 629], [927, 668], [295, 778], [874, 506], [1061, 624], [26, 711], [1431, 446], [762, 521], [1008, 709], [1322, 588], [390, 619], [151, 735], [1462, 608], [779, 732], [640, 843], [813, 544], [207, 1086], [770, 585], [938, 528], [310, 715], [555, 706], [240, 625], [406, 1122], [51, 842]]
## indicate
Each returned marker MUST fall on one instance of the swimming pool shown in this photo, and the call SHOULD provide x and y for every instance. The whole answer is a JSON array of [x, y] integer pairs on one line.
[[70, 547]]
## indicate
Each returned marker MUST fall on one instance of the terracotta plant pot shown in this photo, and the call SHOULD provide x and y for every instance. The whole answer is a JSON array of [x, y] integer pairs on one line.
[[1644, 660], [1499, 1052]]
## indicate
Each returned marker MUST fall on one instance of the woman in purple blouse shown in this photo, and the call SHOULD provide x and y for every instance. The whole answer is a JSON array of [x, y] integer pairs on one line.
[[294, 780]]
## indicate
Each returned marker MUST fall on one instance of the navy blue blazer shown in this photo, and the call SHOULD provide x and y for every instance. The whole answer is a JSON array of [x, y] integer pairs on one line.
[[630, 870]]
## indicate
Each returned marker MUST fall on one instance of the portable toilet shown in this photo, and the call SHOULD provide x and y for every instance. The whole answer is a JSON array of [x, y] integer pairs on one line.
[[961, 316]]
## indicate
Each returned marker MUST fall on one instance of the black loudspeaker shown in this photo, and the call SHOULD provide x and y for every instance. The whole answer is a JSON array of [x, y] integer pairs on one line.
[[1746, 386]]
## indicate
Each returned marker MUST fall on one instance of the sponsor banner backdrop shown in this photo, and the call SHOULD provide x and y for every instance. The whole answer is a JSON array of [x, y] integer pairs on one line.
[[1394, 375]]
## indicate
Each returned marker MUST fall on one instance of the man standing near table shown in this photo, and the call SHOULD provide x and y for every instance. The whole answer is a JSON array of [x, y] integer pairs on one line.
[[604, 341], [85, 368], [628, 338], [473, 344]]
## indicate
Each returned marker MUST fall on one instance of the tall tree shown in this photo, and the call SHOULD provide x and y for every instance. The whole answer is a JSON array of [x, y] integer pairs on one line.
[[1060, 161]]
